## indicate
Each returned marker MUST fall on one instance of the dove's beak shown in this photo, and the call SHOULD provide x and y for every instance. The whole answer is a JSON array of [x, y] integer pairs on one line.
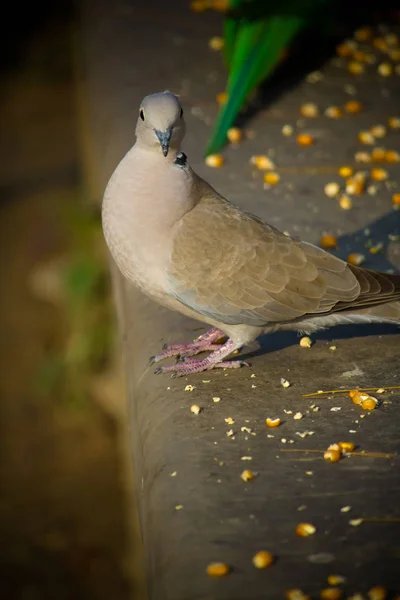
[[164, 138]]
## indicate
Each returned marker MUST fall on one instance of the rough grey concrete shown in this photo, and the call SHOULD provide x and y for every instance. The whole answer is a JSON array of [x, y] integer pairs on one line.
[[223, 518]]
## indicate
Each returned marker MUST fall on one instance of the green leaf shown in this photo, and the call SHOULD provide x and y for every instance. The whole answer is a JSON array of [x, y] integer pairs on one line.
[[258, 48]]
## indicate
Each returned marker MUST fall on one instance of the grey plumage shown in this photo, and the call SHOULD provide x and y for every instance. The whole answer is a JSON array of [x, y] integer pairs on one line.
[[190, 249]]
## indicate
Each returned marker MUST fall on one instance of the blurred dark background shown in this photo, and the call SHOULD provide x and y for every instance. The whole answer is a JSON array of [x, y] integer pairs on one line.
[[66, 509]]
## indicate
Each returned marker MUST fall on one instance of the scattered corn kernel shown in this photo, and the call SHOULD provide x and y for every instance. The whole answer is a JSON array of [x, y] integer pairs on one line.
[[396, 199], [215, 160], [369, 404], [378, 154], [222, 98], [362, 157], [272, 422], [332, 189], [336, 579], [333, 112], [271, 178], [346, 48], [378, 174], [353, 106], [305, 529], [198, 6], [296, 595], [385, 69], [380, 44], [262, 162], [394, 54], [309, 110], [358, 397], [345, 202], [394, 122], [356, 522], [356, 258], [378, 592], [287, 130], [331, 594], [333, 453], [360, 56], [378, 131], [216, 43], [305, 139], [262, 559], [234, 135], [285, 383], [392, 39], [346, 171], [355, 68], [328, 240], [306, 342], [363, 34], [355, 186], [346, 447], [195, 409], [391, 156], [247, 475], [366, 137], [217, 569]]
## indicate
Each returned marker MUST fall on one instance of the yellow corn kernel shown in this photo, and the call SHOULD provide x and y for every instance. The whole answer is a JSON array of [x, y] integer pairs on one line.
[[362, 157], [346, 447], [287, 130], [305, 139], [272, 422], [380, 44], [355, 259], [355, 68], [217, 569], [363, 34], [262, 162], [355, 187], [296, 595], [394, 122], [346, 171], [305, 342], [378, 174], [369, 404], [234, 135], [271, 178], [305, 529], [247, 475], [222, 98], [332, 189], [214, 160], [378, 154], [336, 579], [216, 43], [328, 240], [378, 131], [309, 110], [385, 69], [378, 592], [391, 156], [333, 112], [331, 594], [366, 137], [394, 54], [195, 409], [345, 202], [353, 107], [396, 199], [262, 559]]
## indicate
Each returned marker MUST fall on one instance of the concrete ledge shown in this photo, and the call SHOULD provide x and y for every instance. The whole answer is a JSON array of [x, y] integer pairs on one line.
[[222, 518]]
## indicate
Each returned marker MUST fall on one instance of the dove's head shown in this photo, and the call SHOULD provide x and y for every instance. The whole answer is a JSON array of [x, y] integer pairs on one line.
[[160, 125]]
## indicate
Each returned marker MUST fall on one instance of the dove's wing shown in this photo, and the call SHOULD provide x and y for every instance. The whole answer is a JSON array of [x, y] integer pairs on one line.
[[232, 267]]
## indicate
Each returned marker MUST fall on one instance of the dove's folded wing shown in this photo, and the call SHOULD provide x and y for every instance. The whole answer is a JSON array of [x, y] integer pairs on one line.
[[234, 268]]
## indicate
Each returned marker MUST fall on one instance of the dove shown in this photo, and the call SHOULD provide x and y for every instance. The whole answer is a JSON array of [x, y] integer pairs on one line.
[[191, 250]]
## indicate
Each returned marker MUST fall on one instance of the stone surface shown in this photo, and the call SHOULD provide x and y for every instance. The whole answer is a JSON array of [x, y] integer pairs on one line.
[[127, 53]]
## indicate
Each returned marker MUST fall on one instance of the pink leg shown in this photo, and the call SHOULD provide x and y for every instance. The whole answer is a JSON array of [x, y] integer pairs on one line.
[[213, 361], [201, 344]]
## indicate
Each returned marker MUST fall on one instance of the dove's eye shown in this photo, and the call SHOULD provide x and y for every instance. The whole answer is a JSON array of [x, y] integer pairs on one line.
[[181, 113], [142, 114]]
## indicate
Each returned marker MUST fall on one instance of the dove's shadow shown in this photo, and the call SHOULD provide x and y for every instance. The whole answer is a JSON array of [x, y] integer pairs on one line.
[[378, 234]]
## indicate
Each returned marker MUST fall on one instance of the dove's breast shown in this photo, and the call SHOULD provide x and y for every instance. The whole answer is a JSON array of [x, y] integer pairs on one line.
[[143, 202]]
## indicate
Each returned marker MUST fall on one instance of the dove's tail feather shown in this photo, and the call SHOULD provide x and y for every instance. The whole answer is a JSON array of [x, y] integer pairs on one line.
[[376, 289]]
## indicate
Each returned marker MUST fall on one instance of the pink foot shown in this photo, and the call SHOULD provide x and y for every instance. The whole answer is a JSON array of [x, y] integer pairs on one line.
[[213, 361], [201, 344]]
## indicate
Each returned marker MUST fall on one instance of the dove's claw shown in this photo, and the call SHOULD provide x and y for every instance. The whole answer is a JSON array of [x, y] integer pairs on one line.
[[214, 361], [183, 351]]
